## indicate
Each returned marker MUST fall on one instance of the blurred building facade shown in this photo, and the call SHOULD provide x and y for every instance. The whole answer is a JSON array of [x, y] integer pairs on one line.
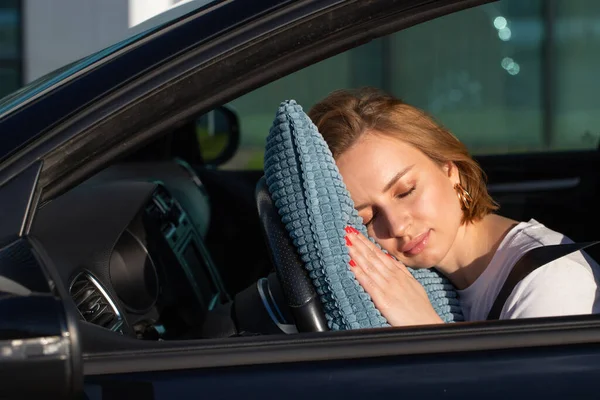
[[39, 36]]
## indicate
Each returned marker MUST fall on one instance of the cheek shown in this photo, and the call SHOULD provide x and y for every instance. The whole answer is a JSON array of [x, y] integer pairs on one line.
[[436, 209], [439, 209]]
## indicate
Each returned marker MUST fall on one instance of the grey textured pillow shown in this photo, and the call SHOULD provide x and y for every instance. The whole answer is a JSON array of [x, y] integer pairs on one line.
[[315, 207]]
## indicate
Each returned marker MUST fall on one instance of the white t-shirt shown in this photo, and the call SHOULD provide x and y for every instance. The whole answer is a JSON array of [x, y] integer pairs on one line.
[[562, 287]]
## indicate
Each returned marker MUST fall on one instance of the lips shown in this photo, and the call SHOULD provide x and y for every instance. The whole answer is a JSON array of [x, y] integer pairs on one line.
[[417, 245]]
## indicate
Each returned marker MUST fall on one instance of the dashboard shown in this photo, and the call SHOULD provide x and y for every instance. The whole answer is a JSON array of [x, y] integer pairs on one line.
[[129, 246]]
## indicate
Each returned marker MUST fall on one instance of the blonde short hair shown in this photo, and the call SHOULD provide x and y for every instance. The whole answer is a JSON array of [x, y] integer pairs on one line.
[[345, 115]]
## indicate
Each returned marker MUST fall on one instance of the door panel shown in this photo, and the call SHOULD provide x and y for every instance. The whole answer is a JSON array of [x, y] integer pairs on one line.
[[558, 372], [558, 189]]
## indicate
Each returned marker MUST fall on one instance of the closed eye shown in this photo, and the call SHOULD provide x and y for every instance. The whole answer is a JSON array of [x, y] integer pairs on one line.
[[407, 193], [369, 222], [398, 196]]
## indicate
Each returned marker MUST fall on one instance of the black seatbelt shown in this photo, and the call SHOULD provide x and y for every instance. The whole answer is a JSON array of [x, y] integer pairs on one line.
[[528, 263]]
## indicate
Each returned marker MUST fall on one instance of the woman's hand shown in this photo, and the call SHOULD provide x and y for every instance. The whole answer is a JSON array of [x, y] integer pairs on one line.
[[395, 292]]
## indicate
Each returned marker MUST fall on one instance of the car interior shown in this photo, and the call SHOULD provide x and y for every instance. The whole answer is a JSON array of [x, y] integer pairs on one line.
[[167, 245]]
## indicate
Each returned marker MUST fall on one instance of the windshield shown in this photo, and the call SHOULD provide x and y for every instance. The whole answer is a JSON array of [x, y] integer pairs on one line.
[[140, 24]]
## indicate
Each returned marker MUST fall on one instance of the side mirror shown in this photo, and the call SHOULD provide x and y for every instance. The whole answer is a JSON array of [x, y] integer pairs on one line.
[[39, 345], [218, 135]]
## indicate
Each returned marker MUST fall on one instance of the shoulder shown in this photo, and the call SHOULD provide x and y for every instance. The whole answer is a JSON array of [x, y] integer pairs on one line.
[[566, 286]]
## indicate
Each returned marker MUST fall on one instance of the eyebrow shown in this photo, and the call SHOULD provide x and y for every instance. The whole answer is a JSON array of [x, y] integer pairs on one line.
[[389, 185]]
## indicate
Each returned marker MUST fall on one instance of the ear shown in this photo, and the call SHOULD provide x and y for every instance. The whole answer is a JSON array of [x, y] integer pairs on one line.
[[452, 172]]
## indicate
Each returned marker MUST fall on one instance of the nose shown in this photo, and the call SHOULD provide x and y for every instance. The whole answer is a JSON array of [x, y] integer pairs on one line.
[[397, 222]]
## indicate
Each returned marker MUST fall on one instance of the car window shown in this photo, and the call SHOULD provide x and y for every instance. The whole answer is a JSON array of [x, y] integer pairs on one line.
[[508, 77]]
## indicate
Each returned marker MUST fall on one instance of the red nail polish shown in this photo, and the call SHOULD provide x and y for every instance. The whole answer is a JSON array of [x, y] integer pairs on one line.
[[389, 255], [348, 229], [348, 242], [352, 263]]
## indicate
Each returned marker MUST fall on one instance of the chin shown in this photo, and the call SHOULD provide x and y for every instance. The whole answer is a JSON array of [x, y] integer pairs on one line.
[[420, 266], [422, 261]]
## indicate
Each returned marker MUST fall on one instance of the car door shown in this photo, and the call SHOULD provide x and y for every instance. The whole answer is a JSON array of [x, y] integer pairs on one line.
[[495, 359]]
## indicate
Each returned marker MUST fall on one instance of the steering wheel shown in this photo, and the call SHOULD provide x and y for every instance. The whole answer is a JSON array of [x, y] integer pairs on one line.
[[297, 288]]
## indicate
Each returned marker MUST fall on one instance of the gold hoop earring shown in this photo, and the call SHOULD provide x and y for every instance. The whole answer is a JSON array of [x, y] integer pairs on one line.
[[466, 201]]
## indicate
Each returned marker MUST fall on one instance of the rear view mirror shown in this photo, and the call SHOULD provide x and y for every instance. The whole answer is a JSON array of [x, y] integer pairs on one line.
[[218, 135]]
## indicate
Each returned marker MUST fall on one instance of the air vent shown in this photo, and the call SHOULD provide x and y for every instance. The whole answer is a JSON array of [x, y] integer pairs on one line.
[[94, 304]]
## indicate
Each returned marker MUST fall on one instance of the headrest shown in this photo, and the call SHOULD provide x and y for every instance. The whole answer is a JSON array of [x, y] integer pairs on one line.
[[315, 207]]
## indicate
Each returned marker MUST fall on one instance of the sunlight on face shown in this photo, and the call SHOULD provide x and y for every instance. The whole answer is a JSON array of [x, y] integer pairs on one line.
[[407, 201]]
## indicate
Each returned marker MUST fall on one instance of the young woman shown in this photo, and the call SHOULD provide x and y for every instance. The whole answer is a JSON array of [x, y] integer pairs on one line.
[[424, 199]]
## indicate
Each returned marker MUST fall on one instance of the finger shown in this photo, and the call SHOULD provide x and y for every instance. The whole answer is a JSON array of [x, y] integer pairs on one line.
[[374, 251], [397, 264], [366, 281], [370, 266], [361, 253], [386, 258], [379, 295]]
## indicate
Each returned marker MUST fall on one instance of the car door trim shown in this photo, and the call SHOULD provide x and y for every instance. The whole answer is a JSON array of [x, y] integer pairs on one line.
[[345, 345]]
